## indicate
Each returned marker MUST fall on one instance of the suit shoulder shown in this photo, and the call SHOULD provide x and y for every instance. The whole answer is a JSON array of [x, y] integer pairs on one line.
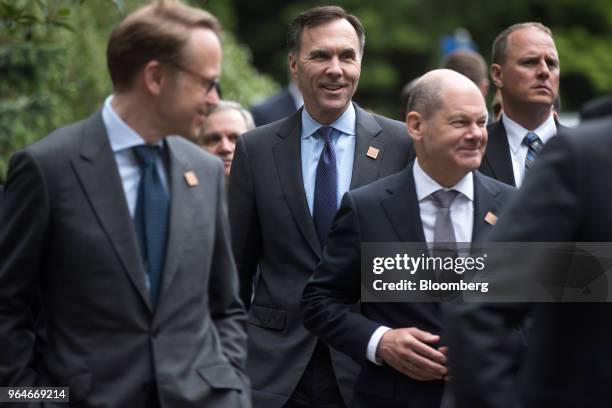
[[378, 188], [263, 135], [492, 184], [62, 142], [193, 153], [392, 126], [592, 134]]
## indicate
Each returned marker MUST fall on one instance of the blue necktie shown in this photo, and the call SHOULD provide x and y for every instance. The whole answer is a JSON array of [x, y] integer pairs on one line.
[[534, 144], [326, 187], [151, 217]]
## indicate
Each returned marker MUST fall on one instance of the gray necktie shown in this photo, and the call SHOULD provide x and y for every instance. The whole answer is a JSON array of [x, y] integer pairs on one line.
[[443, 230], [445, 233]]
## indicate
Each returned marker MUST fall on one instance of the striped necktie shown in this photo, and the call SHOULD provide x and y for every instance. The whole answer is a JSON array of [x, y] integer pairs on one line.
[[534, 145]]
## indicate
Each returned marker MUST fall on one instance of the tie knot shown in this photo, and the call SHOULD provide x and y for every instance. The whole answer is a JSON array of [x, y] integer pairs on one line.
[[444, 198], [532, 140], [146, 155], [325, 133]]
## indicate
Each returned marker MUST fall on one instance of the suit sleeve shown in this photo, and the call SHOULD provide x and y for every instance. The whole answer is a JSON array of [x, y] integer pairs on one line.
[[545, 209], [226, 308], [246, 233], [23, 232], [335, 286]]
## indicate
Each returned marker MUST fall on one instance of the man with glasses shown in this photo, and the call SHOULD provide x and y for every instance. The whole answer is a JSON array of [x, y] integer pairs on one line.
[[122, 228]]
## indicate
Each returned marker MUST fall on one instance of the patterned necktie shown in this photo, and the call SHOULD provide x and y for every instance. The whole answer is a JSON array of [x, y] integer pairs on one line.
[[151, 217], [534, 144], [326, 187]]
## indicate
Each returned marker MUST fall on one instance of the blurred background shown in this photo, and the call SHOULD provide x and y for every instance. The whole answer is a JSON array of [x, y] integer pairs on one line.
[[53, 68]]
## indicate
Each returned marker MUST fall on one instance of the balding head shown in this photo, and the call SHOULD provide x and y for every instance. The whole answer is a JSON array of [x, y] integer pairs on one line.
[[428, 92], [446, 120]]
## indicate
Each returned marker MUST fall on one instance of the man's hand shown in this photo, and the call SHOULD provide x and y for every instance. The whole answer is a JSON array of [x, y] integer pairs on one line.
[[407, 351]]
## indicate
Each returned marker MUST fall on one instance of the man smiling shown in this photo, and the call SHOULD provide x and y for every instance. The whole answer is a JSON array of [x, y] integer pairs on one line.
[[402, 346], [286, 182]]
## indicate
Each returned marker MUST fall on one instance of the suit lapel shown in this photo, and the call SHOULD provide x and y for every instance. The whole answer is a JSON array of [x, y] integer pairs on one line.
[[365, 168], [288, 159], [485, 201], [497, 155], [402, 207], [183, 205], [97, 172]]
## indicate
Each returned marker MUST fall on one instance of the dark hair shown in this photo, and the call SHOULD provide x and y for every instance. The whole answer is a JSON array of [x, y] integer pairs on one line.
[[317, 16], [158, 31], [467, 62], [500, 45]]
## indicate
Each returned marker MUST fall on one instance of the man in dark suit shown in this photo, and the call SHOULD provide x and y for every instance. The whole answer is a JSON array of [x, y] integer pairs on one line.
[[568, 362], [526, 70], [401, 346], [286, 182], [278, 106], [124, 230]]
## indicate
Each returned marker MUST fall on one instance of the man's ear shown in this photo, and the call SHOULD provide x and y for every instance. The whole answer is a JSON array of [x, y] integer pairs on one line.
[[414, 124], [154, 75], [293, 65], [497, 76]]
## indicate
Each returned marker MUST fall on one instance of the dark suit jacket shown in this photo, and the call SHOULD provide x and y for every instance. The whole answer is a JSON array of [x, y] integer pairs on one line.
[[564, 199], [497, 162], [276, 107], [384, 211], [272, 229], [66, 227]]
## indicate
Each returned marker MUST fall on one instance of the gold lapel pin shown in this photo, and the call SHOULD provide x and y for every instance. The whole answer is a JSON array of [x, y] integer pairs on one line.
[[372, 152], [491, 218], [191, 178]]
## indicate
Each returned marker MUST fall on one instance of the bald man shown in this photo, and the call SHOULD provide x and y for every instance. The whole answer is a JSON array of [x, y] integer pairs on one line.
[[401, 346]]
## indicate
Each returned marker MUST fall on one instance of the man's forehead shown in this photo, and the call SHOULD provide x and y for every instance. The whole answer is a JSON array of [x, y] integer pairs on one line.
[[531, 39], [229, 118], [327, 32]]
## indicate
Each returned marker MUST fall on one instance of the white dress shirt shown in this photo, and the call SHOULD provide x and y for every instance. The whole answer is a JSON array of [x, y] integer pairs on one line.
[[461, 213], [518, 150]]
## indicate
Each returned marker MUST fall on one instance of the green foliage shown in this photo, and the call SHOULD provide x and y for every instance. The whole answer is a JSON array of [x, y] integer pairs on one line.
[[53, 66], [403, 39]]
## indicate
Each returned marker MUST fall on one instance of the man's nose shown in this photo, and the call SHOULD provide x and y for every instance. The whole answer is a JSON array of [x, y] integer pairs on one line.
[[226, 145]]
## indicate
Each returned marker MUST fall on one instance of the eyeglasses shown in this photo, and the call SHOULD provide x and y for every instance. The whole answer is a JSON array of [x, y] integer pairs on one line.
[[206, 83]]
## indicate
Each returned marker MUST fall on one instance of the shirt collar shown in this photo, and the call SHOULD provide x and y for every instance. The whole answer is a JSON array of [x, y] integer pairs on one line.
[[516, 133], [345, 123], [120, 135], [425, 185]]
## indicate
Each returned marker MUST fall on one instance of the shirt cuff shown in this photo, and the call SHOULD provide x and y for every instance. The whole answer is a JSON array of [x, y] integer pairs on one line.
[[373, 344]]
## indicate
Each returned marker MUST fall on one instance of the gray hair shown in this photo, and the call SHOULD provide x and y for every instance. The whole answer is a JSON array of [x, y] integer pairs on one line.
[[232, 105]]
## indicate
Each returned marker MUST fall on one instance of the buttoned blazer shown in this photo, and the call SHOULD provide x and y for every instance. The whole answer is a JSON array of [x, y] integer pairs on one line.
[[274, 238], [384, 211]]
